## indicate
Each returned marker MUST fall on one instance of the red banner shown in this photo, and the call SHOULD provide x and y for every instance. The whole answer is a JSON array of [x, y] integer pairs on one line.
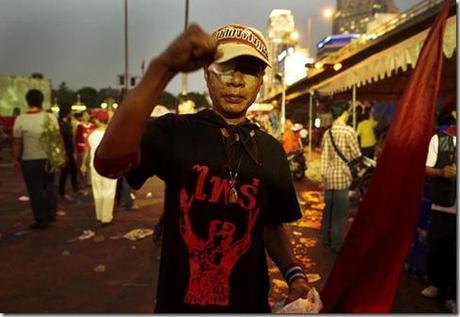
[[368, 268]]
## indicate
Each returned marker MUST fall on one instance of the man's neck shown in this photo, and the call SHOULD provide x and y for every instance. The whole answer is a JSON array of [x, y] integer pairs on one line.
[[341, 120], [231, 121], [32, 109]]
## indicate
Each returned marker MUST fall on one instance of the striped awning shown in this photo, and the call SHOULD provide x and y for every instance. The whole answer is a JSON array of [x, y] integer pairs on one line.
[[386, 63]]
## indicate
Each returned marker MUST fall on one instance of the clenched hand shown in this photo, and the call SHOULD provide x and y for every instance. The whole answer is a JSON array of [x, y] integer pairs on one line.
[[190, 51]]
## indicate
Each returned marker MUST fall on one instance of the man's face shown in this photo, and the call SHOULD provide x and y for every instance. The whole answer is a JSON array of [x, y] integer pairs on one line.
[[233, 85], [85, 117]]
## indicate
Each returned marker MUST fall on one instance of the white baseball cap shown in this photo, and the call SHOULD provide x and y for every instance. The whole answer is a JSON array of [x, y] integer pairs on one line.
[[237, 40], [159, 111]]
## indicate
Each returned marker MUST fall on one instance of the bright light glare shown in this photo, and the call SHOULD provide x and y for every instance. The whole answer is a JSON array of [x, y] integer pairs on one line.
[[328, 13], [317, 123], [337, 66], [103, 105], [295, 36], [318, 65], [78, 107]]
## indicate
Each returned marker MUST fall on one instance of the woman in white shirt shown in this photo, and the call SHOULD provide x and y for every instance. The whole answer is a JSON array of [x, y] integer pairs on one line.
[[103, 188]]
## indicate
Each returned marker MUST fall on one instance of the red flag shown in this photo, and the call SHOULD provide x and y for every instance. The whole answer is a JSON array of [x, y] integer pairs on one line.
[[368, 268]]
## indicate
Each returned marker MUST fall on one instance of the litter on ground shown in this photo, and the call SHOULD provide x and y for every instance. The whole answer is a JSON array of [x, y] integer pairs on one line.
[[138, 234], [99, 268]]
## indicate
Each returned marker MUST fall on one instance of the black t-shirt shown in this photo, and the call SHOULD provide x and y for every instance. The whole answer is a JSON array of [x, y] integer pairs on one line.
[[67, 135], [213, 256]]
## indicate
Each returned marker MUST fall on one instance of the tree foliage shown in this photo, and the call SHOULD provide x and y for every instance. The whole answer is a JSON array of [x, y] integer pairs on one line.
[[90, 97], [93, 98], [65, 95], [199, 99], [168, 100]]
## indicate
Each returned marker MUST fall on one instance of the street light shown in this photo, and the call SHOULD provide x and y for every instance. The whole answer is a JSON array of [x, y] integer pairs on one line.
[[322, 66], [126, 47], [294, 36], [184, 82], [327, 13], [280, 78]]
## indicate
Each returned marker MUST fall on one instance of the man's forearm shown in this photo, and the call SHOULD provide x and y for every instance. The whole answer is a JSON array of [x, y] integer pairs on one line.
[[125, 130], [433, 172], [16, 149], [278, 246], [84, 158]]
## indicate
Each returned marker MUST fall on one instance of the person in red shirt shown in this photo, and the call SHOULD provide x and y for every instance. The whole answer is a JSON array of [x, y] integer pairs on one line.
[[84, 128], [6, 128], [291, 139]]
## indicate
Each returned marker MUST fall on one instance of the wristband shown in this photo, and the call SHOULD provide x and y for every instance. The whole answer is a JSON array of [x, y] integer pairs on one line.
[[292, 272]]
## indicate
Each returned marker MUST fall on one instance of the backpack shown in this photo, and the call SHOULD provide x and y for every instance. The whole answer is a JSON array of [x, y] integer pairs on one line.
[[53, 145]]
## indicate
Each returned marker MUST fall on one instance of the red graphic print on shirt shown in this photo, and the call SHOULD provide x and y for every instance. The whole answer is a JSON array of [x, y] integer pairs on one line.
[[211, 261]]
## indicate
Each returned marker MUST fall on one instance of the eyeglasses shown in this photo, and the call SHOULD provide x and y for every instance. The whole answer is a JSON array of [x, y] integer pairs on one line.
[[225, 71]]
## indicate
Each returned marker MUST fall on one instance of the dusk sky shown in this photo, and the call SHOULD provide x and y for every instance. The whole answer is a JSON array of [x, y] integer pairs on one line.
[[81, 42]]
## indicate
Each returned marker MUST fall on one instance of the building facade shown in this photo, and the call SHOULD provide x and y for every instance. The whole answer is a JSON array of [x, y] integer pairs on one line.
[[353, 16], [280, 29]]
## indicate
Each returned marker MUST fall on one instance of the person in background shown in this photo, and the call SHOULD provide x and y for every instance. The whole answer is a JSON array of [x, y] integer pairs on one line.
[[6, 127], [441, 167], [366, 133], [65, 125], [126, 198], [10, 121], [291, 138], [304, 136], [29, 153], [336, 175], [103, 188], [84, 128], [4, 137]]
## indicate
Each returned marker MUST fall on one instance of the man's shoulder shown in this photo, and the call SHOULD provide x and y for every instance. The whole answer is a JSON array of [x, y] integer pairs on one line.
[[434, 137], [169, 120], [31, 118], [343, 128]]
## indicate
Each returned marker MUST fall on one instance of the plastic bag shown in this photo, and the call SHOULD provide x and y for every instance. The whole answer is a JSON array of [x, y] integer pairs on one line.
[[52, 143], [311, 305]]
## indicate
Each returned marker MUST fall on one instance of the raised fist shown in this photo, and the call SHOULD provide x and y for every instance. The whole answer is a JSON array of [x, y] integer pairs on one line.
[[190, 51]]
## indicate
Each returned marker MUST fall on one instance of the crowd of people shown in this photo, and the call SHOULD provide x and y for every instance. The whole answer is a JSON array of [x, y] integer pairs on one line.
[[340, 144], [77, 135]]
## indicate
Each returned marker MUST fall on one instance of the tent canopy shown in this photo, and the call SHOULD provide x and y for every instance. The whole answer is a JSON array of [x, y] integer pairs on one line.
[[396, 61]]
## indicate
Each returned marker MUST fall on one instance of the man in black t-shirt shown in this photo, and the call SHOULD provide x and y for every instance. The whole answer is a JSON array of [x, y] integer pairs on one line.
[[228, 185], [65, 126]]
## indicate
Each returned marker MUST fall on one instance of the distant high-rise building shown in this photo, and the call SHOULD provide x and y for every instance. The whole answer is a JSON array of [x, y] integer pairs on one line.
[[281, 36], [353, 16]]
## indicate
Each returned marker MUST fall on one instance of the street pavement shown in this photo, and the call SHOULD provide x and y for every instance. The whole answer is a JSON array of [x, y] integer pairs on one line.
[[67, 269]]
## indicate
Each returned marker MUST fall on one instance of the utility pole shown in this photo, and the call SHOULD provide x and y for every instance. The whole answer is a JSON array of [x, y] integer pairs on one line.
[[126, 48], [184, 83]]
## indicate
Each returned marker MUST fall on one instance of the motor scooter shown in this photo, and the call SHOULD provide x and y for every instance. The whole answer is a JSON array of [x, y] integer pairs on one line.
[[297, 164]]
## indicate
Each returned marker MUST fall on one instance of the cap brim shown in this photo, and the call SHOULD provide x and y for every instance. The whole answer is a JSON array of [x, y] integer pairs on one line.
[[232, 50]]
